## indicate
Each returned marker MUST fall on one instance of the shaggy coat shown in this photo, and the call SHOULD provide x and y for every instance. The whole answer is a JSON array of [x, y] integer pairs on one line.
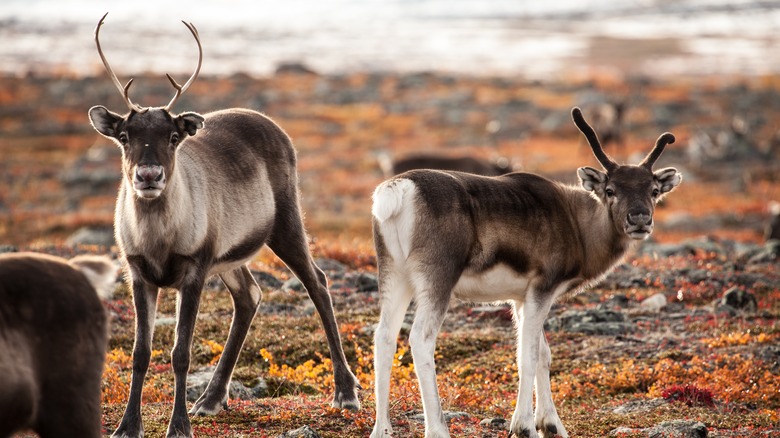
[[517, 238], [53, 332]]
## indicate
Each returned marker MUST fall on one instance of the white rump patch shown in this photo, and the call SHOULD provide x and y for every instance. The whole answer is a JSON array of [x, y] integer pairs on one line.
[[395, 210]]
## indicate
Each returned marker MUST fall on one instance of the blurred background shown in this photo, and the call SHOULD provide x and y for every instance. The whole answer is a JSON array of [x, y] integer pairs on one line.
[[360, 83]]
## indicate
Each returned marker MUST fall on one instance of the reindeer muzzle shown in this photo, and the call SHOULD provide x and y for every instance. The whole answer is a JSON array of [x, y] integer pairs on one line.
[[149, 180], [639, 225]]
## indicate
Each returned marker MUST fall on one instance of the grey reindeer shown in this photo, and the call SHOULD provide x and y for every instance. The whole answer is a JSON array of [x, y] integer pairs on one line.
[[517, 238], [53, 332], [200, 195]]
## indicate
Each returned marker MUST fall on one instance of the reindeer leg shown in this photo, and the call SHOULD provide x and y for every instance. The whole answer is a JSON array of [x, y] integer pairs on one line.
[[294, 252], [188, 301], [422, 340], [546, 417], [530, 316], [246, 296], [145, 301], [396, 297]]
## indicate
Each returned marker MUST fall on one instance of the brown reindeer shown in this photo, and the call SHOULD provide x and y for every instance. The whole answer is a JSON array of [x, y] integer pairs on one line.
[[53, 332], [477, 166], [200, 196], [519, 238]]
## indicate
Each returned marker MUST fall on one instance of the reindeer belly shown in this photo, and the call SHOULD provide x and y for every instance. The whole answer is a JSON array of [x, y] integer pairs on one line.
[[498, 283]]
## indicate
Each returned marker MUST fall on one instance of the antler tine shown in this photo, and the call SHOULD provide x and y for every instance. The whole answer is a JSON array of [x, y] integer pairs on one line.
[[660, 144], [122, 90], [181, 89], [608, 164]]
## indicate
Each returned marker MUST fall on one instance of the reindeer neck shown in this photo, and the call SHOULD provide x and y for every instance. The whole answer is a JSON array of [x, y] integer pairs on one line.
[[603, 244]]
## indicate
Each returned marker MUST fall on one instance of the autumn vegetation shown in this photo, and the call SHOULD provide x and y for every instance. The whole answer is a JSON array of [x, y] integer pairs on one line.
[[704, 366]]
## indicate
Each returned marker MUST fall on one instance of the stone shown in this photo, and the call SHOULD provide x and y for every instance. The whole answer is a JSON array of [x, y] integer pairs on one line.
[[592, 322], [738, 299], [654, 303], [495, 423], [266, 281], [301, 432], [366, 282], [199, 380], [293, 284], [92, 236], [678, 429], [331, 266], [639, 405]]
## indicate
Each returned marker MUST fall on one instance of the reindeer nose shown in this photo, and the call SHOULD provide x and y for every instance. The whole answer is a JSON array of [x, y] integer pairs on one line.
[[640, 218], [149, 173]]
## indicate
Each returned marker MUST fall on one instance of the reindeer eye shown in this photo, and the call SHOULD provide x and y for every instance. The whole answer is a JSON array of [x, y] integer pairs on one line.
[[174, 139], [123, 139], [610, 193], [656, 192]]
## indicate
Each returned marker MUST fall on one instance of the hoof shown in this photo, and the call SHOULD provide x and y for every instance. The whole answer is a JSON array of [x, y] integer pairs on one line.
[[204, 407], [348, 402]]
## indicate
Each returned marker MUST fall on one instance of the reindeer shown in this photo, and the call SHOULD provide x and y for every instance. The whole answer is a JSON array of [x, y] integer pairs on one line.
[[519, 238], [477, 166], [200, 195], [53, 332]]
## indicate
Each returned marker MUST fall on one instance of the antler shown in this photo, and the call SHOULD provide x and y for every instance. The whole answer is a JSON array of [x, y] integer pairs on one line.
[[608, 164], [660, 144], [180, 89], [123, 90]]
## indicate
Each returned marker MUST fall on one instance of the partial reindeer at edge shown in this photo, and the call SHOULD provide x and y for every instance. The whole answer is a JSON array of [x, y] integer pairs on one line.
[[200, 195], [518, 238], [53, 334]]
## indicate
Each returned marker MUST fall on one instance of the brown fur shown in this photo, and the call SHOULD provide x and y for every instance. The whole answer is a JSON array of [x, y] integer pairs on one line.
[[53, 332], [518, 237], [228, 185], [473, 165]]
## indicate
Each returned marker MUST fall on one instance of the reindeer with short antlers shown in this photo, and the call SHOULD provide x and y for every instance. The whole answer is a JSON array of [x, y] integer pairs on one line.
[[519, 238], [200, 195]]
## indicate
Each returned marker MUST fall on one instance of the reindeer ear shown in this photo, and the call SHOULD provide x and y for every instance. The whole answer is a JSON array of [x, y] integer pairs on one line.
[[668, 178], [104, 121], [190, 122], [592, 179]]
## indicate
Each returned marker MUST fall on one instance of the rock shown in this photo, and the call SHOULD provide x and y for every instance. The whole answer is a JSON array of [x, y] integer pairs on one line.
[[365, 282], [617, 301], [301, 432], [8, 248], [624, 431], [293, 284], [769, 253], [735, 298], [92, 236], [654, 303], [164, 320], [331, 266], [266, 280], [495, 423], [639, 405], [294, 67], [199, 380], [678, 429], [592, 322]]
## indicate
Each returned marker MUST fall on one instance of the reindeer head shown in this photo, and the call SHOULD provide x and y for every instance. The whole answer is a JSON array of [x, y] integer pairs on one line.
[[148, 136], [630, 192]]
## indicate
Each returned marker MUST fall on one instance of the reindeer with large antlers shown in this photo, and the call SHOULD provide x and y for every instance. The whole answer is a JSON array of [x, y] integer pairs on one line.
[[200, 195], [519, 238]]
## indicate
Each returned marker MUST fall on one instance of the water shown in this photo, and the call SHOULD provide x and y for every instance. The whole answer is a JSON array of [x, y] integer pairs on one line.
[[505, 37]]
